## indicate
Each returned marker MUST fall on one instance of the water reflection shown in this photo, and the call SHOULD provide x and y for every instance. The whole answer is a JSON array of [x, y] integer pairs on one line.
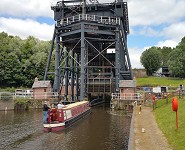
[[101, 130]]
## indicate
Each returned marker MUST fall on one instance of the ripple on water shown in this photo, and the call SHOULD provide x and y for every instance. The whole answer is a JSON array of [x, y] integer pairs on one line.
[[102, 129]]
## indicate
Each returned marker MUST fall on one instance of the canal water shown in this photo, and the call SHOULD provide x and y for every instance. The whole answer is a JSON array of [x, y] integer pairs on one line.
[[101, 130]]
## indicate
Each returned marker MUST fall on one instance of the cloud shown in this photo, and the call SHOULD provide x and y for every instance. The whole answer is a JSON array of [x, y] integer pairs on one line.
[[26, 27], [26, 8], [167, 43], [175, 31], [134, 54], [148, 31], [155, 12]]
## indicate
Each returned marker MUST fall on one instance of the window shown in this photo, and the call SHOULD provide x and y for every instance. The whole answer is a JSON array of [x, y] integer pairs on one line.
[[44, 90]]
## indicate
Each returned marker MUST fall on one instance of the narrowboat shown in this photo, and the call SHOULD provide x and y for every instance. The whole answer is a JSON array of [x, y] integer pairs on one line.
[[59, 119]]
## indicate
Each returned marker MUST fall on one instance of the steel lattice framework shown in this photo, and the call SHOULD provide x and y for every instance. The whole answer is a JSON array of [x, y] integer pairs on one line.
[[84, 31]]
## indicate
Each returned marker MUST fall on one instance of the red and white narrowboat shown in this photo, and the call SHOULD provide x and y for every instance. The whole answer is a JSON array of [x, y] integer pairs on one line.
[[58, 119]]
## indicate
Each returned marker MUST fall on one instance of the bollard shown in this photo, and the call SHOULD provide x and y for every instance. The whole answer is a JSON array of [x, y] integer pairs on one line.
[[153, 99], [140, 107]]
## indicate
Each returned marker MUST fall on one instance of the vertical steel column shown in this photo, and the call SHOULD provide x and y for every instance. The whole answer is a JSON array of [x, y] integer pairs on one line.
[[66, 73], [50, 54], [57, 60], [72, 76], [82, 71], [117, 60], [123, 65], [77, 76], [124, 38]]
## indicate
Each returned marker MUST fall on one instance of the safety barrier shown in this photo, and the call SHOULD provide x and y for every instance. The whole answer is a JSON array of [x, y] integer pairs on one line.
[[94, 18], [126, 96]]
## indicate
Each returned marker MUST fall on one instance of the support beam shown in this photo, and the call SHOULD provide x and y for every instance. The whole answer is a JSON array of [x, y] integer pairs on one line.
[[82, 71], [50, 54], [57, 60], [99, 28], [72, 76], [77, 76], [117, 61], [66, 73]]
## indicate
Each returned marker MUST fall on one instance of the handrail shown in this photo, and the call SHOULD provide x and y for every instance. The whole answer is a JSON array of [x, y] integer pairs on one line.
[[95, 18], [126, 96]]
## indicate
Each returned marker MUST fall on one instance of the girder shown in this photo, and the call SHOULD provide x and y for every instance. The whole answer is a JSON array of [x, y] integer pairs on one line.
[[83, 34]]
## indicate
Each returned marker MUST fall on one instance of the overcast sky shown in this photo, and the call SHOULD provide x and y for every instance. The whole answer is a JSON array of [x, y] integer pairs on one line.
[[152, 22]]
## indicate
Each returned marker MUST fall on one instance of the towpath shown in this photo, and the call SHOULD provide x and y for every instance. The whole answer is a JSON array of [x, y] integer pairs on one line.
[[147, 135]]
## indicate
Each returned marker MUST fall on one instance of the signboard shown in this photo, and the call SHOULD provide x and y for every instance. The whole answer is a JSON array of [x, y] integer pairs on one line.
[[127, 83], [156, 90], [160, 89]]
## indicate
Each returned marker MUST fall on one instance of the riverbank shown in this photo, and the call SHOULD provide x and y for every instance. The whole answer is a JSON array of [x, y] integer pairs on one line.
[[146, 134]]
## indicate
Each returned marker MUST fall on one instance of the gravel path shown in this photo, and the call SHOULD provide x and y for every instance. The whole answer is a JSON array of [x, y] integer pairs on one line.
[[152, 138]]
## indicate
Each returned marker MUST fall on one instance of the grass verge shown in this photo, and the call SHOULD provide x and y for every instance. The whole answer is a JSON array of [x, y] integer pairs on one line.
[[166, 120], [159, 81]]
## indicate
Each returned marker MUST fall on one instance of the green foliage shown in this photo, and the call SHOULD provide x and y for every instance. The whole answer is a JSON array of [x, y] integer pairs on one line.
[[155, 57], [151, 59], [21, 101], [166, 121], [5, 96], [176, 62], [8, 89], [159, 81], [22, 60], [165, 54]]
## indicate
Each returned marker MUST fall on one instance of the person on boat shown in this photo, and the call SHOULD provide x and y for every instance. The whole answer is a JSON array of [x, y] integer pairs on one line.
[[60, 105], [45, 112]]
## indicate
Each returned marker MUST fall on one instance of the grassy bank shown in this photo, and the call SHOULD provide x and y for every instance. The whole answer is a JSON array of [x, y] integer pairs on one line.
[[166, 121], [165, 117], [159, 81]]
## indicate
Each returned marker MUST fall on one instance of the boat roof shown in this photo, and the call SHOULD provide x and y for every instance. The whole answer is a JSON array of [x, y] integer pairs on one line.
[[74, 104]]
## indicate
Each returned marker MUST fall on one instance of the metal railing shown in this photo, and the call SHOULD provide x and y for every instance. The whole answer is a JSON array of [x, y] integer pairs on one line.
[[126, 96], [94, 18]]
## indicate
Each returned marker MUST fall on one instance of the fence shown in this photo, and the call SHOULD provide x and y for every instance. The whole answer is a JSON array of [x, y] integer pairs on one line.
[[126, 96], [94, 18]]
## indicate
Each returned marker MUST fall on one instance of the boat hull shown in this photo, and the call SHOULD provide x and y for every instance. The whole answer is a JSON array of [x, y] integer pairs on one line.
[[75, 114]]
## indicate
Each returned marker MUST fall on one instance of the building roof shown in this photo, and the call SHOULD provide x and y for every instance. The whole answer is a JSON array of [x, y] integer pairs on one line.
[[43, 84], [127, 83]]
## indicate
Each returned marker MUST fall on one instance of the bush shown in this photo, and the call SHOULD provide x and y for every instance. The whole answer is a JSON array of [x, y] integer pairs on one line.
[[6, 96], [21, 103]]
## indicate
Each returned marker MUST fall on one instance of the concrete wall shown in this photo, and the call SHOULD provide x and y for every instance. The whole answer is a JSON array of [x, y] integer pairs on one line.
[[139, 73], [9, 105]]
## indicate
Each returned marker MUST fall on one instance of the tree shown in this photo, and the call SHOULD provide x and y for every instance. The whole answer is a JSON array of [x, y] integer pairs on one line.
[[176, 62], [12, 71], [165, 54], [151, 59], [27, 49], [39, 60], [4, 41]]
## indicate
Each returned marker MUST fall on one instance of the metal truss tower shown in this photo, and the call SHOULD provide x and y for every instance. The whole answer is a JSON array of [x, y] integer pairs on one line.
[[84, 34]]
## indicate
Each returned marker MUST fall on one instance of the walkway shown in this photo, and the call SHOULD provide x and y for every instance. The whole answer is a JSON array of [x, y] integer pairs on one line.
[[152, 138]]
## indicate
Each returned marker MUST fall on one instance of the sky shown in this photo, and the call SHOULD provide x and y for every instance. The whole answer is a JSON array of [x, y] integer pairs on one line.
[[151, 22]]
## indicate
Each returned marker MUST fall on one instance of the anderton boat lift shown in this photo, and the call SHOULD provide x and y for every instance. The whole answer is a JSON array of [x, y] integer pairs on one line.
[[91, 55]]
